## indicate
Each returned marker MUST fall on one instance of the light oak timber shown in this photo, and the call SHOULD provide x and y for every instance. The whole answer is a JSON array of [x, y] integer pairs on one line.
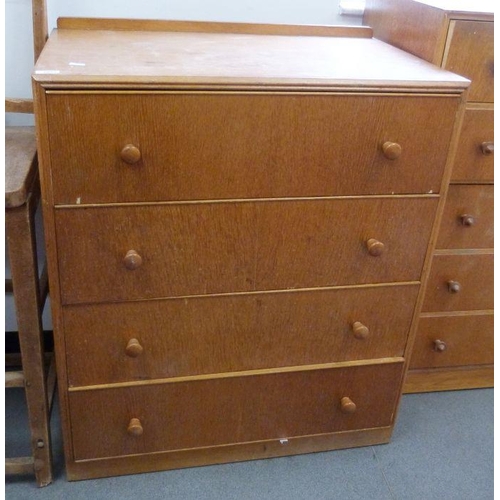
[[14, 379], [402, 75], [189, 336], [472, 165], [87, 469], [473, 273], [18, 105], [220, 411], [449, 379], [80, 23], [198, 148], [238, 247], [19, 465], [468, 340], [468, 218]]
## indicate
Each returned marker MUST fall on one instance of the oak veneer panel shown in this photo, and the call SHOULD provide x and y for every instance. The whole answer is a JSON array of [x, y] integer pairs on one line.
[[471, 164], [206, 413], [408, 25], [199, 249], [468, 339], [470, 54], [182, 337], [215, 60], [471, 200], [220, 146], [474, 272]]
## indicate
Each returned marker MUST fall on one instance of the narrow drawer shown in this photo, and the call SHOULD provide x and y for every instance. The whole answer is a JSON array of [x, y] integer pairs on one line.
[[126, 253], [460, 283], [213, 412], [231, 146], [453, 341], [470, 54], [474, 160], [468, 218], [179, 337]]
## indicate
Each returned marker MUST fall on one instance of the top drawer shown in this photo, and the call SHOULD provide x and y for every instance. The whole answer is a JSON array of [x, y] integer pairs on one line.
[[196, 146], [470, 54]]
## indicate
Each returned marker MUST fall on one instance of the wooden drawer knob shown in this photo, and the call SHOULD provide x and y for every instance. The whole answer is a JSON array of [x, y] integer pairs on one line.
[[467, 220], [392, 150], [375, 247], [135, 427], [134, 348], [454, 286], [130, 154], [360, 331], [132, 260], [439, 346], [487, 148], [347, 405]]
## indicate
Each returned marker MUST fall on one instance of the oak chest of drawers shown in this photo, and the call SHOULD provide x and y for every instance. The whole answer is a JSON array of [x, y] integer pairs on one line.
[[454, 344], [238, 228]]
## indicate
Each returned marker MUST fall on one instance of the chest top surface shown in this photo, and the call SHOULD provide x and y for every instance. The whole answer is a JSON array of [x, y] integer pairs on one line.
[[75, 57]]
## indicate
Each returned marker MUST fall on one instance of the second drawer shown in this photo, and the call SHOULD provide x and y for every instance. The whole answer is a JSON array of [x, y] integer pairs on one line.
[[142, 252], [109, 343]]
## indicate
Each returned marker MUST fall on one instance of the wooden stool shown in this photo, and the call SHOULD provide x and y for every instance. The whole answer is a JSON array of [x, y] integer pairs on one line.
[[22, 194]]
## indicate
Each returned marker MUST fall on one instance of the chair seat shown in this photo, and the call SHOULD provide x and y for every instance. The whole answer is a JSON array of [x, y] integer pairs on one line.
[[20, 164]]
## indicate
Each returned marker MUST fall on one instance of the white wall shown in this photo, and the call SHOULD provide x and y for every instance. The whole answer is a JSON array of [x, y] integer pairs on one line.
[[19, 40]]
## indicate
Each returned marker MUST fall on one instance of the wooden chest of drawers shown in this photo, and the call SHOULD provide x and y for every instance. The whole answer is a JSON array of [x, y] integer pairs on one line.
[[457, 354], [238, 228]]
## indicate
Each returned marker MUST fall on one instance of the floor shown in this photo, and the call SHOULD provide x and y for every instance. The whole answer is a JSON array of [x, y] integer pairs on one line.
[[442, 448]]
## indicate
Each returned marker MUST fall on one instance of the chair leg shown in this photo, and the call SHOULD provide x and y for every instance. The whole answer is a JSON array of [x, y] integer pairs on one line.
[[20, 232]]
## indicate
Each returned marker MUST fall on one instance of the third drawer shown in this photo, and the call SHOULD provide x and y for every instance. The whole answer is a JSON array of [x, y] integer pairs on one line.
[[460, 282], [110, 343], [468, 218]]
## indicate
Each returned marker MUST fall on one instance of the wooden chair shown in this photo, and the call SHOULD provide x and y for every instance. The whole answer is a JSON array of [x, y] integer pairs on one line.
[[22, 195]]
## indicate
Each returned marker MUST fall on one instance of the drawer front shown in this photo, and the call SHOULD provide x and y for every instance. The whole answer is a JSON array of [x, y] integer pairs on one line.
[[211, 248], [230, 146], [468, 218], [453, 341], [179, 337], [460, 283], [204, 413], [470, 54], [474, 160]]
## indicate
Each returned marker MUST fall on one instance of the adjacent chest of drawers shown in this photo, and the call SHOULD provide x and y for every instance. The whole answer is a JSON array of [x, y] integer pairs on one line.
[[238, 228], [454, 345]]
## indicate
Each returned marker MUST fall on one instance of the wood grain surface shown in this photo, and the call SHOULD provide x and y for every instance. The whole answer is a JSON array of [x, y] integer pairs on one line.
[[471, 202], [220, 146], [239, 409], [234, 333], [200, 249], [474, 273], [468, 339], [471, 164]]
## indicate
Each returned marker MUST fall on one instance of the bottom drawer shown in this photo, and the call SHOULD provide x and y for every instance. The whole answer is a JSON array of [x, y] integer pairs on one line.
[[238, 409], [453, 341]]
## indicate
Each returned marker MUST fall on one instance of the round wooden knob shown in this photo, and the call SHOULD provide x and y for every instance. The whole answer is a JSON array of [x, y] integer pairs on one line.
[[439, 346], [467, 220], [347, 405], [375, 247], [392, 150], [454, 286], [130, 154], [487, 148], [135, 427], [134, 348], [132, 260], [360, 331]]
